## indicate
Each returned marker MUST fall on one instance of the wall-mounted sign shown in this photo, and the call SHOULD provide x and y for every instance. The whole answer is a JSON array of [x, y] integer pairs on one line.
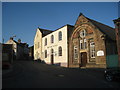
[[100, 53]]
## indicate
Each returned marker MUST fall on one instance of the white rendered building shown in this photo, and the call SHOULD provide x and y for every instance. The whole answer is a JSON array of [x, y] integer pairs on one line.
[[52, 46]]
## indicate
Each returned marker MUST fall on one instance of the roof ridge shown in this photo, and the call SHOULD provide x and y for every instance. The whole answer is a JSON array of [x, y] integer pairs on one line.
[[109, 31], [99, 22], [45, 29]]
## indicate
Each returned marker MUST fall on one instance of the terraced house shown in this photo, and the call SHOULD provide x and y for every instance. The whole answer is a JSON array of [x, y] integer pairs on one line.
[[86, 44]]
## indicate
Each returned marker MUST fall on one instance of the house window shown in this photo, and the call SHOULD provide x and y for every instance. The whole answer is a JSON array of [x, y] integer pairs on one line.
[[45, 53], [52, 51], [45, 41], [85, 44], [52, 39], [92, 50], [82, 33], [81, 44], [38, 44], [75, 52], [60, 36], [60, 51]]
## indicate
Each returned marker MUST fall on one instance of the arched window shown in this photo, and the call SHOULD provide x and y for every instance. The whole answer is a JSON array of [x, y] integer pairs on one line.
[[60, 51], [45, 53], [92, 50], [45, 41], [85, 44], [60, 35], [52, 51], [75, 52], [83, 33], [52, 39]]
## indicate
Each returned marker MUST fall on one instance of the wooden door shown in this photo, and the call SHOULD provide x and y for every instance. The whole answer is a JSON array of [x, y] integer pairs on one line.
[[83, 59], [52, 59]]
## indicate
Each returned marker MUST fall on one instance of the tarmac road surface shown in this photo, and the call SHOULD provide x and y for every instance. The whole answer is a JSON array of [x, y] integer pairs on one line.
[[32, 74]]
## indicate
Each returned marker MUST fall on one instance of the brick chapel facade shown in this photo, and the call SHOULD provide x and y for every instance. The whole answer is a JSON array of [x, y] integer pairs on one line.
[[90, 42]]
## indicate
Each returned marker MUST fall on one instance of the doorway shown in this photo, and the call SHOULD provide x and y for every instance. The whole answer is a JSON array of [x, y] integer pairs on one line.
[[52, 56], [83, 59], [52, 59]]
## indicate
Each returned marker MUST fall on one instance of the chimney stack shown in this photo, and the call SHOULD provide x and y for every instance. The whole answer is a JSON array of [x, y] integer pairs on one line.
[[11, 38], [19, 40]]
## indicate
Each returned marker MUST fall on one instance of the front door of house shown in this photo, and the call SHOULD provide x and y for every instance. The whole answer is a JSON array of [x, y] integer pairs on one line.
[[52, 56], [52, 59], [83, 59]]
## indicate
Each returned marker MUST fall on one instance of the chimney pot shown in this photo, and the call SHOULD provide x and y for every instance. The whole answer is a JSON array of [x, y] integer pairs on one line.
[[11, 38], [19, 40]]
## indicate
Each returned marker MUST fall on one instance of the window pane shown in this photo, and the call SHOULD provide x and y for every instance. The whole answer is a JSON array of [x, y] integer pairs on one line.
[[45, 41], [45, 53], [60, 51], [75, 52], [52, 39], [85, 44], [92, 50], [60, 35], [81, 44]]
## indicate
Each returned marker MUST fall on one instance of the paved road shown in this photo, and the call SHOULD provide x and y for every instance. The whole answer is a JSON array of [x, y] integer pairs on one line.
[[30, 74]]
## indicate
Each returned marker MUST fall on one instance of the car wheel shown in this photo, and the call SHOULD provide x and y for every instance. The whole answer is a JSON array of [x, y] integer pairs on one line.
[[109, 77]]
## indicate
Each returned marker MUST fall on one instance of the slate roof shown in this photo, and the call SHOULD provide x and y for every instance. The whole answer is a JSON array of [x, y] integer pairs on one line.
[[107, 30], [21, 44], [45, 32], [117, 20]]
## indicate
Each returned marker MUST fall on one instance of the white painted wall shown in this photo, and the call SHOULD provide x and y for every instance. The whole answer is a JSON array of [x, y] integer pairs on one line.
[[14, 45], [37, 49], [19, 51], [63, 43]]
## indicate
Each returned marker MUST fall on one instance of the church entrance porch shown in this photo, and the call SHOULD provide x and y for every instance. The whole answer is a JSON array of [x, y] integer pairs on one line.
[[83, 59]]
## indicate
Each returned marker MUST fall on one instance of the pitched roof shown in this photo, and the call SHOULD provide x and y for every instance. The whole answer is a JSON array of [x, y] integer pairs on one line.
[[117, 20], [21, 44], [107, 30], [45, 31]]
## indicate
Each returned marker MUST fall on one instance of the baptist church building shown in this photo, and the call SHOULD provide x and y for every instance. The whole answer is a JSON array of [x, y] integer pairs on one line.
[[86, 44]]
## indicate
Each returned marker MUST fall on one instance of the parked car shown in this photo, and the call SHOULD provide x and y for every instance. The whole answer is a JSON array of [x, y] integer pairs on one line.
[[112, 74]]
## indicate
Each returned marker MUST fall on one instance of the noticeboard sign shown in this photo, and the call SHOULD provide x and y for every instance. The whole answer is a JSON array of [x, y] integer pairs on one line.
[[100, 53]]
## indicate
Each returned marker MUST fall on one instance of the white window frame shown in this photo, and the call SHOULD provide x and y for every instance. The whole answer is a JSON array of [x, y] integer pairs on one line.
[[75, 52], [81, 44], [60, 51], [83, 33], [60, 35], [45, 53], [85, 44], [45, 41], [52, 38], [92, 50]]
